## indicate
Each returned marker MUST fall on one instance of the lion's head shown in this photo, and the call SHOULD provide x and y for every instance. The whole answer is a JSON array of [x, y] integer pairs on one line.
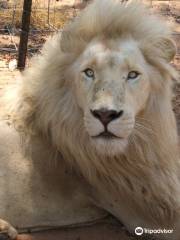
[[93, 84], [112, 85]]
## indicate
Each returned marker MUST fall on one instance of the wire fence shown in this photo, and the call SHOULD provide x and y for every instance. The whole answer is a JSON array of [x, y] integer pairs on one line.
[[49, 16]]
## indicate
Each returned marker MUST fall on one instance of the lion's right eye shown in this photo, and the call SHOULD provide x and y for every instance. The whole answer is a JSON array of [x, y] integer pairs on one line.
[[89, 73], [132, 75]]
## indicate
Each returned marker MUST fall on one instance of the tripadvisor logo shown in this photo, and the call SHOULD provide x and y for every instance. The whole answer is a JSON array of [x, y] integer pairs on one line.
[[139, 231]]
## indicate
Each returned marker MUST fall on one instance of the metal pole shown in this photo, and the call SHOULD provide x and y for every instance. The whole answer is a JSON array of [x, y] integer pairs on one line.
[[13, 16], [48, 21], [24, 34]]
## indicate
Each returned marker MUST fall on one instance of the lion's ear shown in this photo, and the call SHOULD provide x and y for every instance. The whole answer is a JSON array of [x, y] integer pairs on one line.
[[165, 47]]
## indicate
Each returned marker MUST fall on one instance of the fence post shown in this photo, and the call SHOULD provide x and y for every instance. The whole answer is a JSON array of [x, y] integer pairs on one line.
[[26, 15]]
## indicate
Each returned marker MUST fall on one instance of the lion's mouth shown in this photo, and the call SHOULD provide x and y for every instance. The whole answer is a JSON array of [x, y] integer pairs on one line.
[[106, 135]]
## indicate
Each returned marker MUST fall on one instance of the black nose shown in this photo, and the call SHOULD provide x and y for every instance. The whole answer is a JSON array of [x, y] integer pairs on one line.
[[106, 116]]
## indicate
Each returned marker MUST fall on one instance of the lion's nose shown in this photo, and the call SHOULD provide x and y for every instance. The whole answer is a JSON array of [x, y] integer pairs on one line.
[[106, 116]]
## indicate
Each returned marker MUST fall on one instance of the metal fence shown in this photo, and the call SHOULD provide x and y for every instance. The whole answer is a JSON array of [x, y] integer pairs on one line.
[[45, 20]]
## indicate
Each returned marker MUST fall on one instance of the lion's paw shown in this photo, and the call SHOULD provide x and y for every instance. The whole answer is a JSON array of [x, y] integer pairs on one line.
[[7, 231]]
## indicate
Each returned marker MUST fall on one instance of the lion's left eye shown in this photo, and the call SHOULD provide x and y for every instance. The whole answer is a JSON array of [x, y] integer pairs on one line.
[[89, 72], [133, 75]]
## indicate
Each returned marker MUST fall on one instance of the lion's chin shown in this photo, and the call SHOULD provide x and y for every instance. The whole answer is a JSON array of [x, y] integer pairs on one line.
[[109, 146]]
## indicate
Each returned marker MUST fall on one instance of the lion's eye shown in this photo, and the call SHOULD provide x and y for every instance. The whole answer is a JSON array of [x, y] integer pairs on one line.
[[89, 72], [132, 75]]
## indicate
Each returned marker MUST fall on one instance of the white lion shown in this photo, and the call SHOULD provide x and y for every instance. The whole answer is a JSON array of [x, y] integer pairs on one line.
[[100, 93]]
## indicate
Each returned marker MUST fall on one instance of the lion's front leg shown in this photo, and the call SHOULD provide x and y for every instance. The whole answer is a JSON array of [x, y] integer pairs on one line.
[[7, 231]]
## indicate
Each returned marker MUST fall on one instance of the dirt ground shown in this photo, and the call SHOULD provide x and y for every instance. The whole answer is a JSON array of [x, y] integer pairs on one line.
[[170, 10]]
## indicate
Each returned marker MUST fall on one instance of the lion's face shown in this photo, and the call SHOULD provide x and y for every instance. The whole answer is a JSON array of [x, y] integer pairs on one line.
[[112, 87]]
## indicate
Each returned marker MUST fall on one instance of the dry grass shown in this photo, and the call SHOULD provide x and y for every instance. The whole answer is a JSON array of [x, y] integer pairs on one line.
[[57, 18], [40, 18]]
